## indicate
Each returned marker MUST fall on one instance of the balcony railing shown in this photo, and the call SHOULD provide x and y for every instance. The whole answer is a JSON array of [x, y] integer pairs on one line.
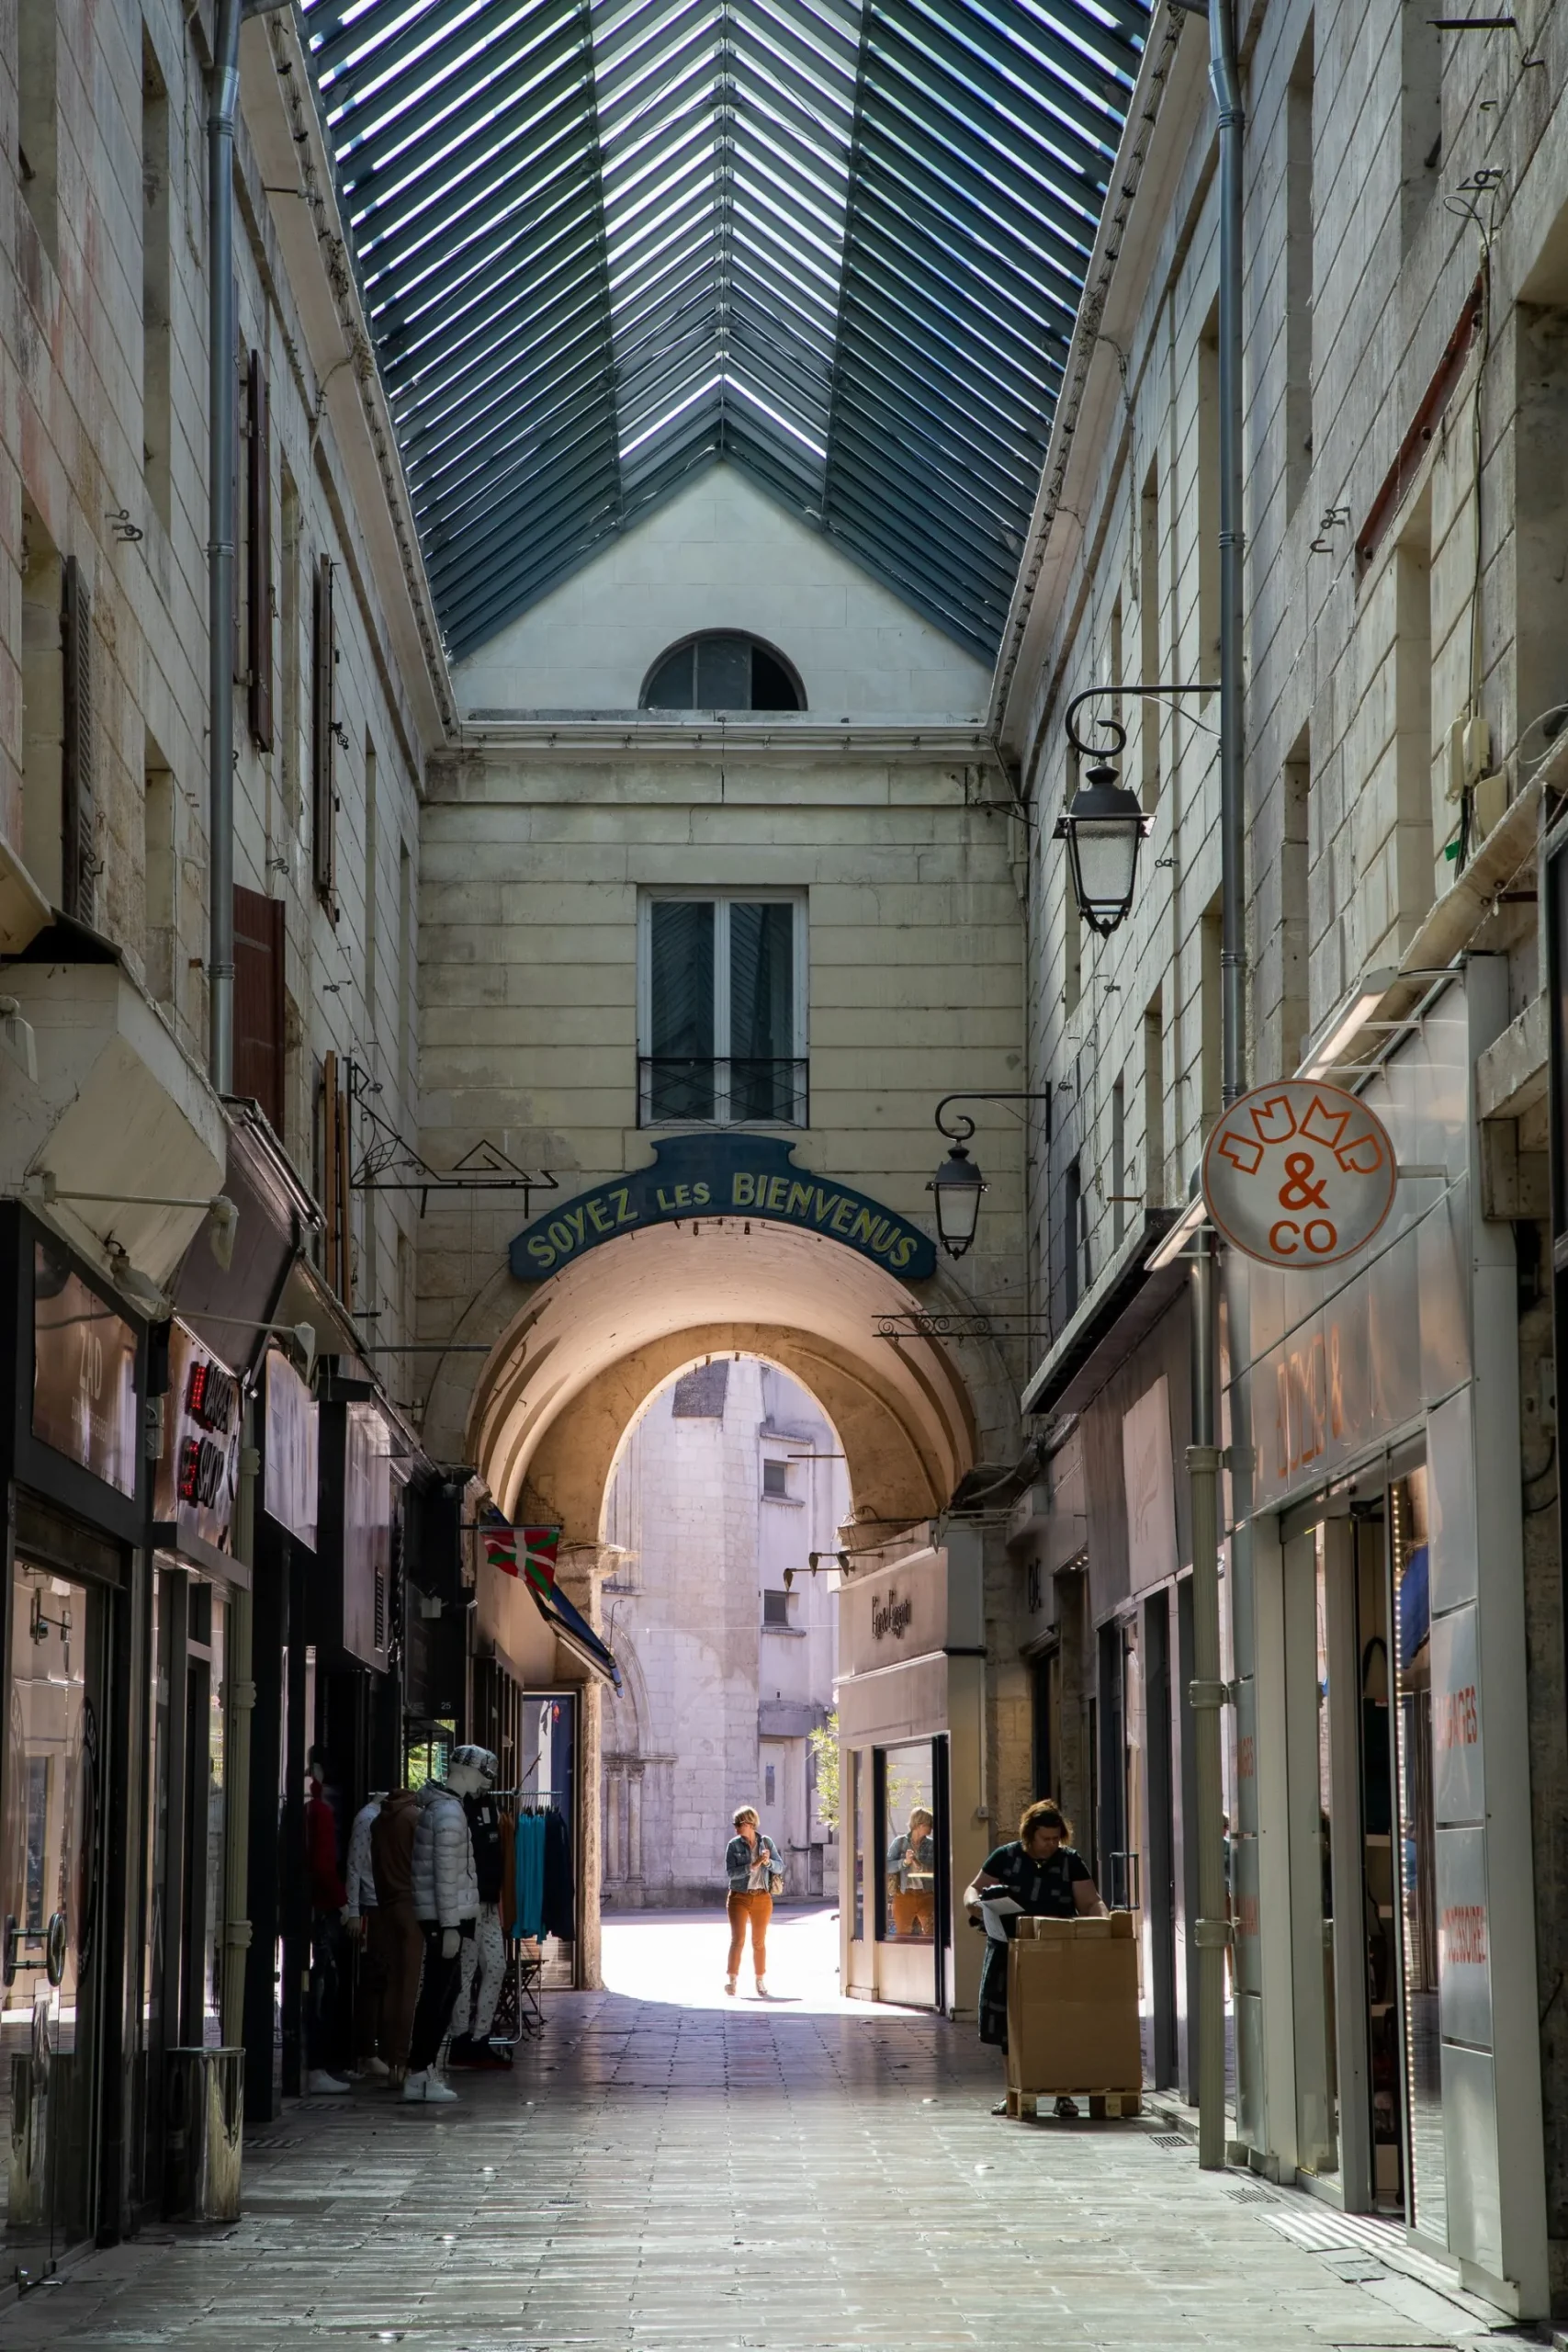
[[721, 1091]]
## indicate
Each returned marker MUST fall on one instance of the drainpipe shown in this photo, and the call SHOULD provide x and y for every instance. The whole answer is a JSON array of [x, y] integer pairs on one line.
[[240, 1699], [1211, 1931], [222, 427]]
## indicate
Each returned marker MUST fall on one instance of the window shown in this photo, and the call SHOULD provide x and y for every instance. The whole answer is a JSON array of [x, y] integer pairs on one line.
[[721, 672], [260, 594], [324, 733], [775, 1478], [160, 869], [258, 1002], [1300, 202], [776, 1611], [156, 352], [38, 121], [723, 1026]]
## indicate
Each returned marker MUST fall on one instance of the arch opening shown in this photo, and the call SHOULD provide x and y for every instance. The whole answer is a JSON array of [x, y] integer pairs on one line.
[[728, 1484]]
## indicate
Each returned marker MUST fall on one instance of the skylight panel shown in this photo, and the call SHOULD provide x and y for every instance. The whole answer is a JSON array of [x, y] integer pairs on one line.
[[840, 242]]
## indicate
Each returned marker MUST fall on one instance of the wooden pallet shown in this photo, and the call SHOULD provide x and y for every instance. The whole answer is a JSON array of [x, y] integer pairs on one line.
[[1025, 2105]]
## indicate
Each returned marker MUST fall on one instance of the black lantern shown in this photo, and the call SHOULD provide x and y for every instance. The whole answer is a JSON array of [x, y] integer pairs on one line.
[[1102, 826], [957, 1186]]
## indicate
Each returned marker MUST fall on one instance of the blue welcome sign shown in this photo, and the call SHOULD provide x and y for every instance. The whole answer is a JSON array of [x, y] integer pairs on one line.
[[722, 1175]]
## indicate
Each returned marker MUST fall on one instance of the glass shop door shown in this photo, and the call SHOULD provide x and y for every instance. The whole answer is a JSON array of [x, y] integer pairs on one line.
[[52, 1867]]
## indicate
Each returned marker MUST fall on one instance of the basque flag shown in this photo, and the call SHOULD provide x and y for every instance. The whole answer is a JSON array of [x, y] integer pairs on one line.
[[527, 1552]]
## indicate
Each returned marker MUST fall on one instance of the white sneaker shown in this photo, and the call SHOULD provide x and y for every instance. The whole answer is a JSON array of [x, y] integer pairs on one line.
[[729, 1984], [427, 2088], [377, 2069], [762, 1989], [320, 2084]]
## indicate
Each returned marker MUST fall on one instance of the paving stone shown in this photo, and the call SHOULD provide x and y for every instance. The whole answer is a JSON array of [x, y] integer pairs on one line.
[[810, 2175]]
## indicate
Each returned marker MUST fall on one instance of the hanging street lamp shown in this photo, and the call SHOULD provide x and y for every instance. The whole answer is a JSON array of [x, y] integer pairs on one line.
[[956, 1187], [1104, 823]]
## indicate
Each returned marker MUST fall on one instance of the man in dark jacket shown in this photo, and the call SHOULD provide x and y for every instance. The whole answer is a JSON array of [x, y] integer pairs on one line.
[[323, 1880], [394, 1924]]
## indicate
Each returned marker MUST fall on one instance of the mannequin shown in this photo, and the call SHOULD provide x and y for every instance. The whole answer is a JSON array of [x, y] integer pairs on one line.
[[446, 1901], [483, 1954], [360, 1919]]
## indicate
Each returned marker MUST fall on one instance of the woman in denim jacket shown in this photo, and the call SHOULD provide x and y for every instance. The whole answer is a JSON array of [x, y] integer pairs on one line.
[[754, 1868]]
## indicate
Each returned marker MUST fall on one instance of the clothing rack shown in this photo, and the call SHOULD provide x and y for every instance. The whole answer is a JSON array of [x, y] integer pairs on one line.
[[519, 2013]]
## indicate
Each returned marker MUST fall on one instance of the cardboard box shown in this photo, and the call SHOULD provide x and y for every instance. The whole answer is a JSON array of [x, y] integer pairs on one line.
[[1073, 2005]]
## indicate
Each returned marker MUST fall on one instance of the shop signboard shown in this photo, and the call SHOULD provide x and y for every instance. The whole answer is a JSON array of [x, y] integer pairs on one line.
[[894, 1615], [1149, 1483], [694, 1178], [1299, 1173], [84, 1401], [292, 1450], [198, 1471], [1464, 1958], [366, 1534], [1458, 1788]]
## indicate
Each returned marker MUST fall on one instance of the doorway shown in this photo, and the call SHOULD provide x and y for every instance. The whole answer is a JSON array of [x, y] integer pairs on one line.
[[1362, 1849], [53, 1875]]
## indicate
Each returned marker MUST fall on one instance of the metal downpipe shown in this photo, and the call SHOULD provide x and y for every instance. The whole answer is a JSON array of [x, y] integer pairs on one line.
[[223, 431], [240, 1699], [1211, 1931], [1227, 83]]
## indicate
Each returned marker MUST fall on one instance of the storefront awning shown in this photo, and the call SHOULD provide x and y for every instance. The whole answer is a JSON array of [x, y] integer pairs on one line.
[[572, 1627], [1127, 1301]]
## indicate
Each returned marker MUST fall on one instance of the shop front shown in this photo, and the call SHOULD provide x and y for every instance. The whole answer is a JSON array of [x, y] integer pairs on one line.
[[1104, 1547], [195, 1573], [288, 1419], [1383, 1884], [73, 1369], [911, 1704]]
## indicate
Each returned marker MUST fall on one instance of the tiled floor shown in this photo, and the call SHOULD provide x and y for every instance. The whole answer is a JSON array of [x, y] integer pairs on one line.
[[670, 2170]]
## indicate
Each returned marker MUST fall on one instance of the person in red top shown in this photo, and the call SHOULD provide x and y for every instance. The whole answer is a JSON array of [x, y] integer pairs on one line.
[[329, 1898]]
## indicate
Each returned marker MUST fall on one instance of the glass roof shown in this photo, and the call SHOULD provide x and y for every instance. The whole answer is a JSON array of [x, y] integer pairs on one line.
[[839, 243]]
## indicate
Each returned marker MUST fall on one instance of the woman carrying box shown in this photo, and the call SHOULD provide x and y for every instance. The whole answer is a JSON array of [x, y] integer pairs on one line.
[[1040, 1873]]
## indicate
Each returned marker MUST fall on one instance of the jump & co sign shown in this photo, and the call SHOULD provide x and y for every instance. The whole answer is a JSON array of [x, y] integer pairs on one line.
[[1299, 1173]]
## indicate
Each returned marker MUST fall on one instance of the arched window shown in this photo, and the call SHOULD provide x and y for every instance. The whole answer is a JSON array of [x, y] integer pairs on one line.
[[722, 672]]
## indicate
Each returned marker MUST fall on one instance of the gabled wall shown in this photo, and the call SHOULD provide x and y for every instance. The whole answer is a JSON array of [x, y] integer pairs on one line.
[[721, 556]]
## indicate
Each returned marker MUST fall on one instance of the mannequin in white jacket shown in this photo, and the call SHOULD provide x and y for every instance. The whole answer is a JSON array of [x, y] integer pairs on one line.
[[446, 1901]]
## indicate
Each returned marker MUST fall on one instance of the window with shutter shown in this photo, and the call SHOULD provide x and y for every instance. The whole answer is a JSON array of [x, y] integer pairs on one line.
[[324, 714], [78, 778], [258, 554], [258, 1002]]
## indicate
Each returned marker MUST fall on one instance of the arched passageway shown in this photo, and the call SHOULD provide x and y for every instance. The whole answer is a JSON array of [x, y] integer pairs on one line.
[[575, 1358]]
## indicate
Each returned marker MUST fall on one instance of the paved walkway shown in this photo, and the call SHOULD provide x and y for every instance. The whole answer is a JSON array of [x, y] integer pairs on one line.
[[668, 2171]]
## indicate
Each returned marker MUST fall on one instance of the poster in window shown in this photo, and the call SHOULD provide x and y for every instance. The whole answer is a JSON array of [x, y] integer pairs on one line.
[[84, 1373], [1150, 1483], [288, 1485]]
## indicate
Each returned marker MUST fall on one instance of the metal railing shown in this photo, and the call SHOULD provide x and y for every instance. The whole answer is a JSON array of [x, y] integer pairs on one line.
[[721, 1091]]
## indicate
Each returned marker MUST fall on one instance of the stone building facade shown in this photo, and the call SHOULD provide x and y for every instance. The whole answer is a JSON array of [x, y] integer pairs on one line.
[[728, 1480], [1406, 193]]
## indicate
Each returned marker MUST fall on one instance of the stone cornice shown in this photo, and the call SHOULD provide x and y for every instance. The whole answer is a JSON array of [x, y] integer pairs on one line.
[[603, 733]]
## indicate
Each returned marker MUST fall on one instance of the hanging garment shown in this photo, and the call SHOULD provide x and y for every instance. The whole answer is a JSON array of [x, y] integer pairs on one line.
[[391, 1846], [531, 1875], [484, 1967], [445, 1887], [509, 1874], [484, 1829], [561, 1893], [359, 1871]]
